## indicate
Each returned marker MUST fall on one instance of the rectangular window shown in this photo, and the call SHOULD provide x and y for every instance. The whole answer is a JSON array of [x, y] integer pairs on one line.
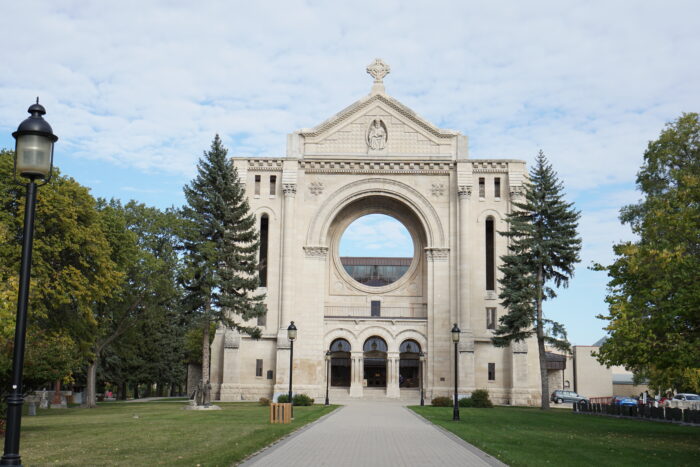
[[482, 187], [257, 185], [273, 185], [262, 320], [492, 372], [497, 187], [258, 367], [376, 307], [490, 256], [269, 374], [490, 318]]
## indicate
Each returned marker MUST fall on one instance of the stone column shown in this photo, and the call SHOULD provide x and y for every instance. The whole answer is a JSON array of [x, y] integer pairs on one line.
[[465, 264], [356, 376], [392, 375], [290, 190]]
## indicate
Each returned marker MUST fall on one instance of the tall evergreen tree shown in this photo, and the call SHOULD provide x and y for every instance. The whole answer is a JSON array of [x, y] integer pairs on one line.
[[543, 248], [221, 244]]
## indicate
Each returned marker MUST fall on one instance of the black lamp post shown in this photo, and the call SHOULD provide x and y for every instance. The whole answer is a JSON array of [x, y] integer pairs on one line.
[[455, 338], [421, 359], [291, 335], [328, 372], [33, 161]]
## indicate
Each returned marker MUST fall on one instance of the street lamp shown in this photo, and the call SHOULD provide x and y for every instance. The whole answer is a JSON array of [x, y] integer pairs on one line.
[[33, 161], [328, 372], [421, 358], [455, 338], [291, 335]]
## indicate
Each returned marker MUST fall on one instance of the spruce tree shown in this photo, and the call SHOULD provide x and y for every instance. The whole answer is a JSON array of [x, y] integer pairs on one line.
[[543, 248], [220, 242]]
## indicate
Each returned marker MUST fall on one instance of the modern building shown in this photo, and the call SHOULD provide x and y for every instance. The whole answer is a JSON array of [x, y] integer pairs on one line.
[[376, 315]]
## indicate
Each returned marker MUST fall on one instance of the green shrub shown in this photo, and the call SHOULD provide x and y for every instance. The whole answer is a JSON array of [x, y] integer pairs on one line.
[[442, 401], [282, 399], [302, 399], [480, 398], [264, 401], [466, 402]]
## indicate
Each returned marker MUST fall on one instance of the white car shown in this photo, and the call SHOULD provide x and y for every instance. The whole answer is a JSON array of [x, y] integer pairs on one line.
[[686, 397]]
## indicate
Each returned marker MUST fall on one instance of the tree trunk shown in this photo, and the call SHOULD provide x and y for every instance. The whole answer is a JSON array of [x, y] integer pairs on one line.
[[90, 396], [122, 391], [205, 353], [56, 393], [136, 390], [540, 344]]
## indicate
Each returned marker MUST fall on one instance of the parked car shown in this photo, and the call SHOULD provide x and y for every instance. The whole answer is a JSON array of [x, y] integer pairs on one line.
[[624, 401], [686, 397], [560, 396]]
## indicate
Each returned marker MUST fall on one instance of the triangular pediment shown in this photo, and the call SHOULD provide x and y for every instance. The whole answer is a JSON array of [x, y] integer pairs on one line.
[[378, 126]]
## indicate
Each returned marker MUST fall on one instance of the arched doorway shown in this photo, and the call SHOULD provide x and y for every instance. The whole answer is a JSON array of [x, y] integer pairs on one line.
[[375, 349], [340, 363], [409, 364]]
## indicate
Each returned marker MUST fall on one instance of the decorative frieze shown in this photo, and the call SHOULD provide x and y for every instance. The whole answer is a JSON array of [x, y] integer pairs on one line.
[[489, 167], [265, 164], [317, 252], [376, 167], [464, 191], [437, 254]]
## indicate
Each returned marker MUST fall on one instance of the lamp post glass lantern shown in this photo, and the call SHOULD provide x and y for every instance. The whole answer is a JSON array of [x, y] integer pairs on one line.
[[421, 358], [328, 373], [291, 335], [33, 161], [455, 338]]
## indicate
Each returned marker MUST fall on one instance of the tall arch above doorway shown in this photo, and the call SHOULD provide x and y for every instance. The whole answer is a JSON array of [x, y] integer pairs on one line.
[[341, 363]]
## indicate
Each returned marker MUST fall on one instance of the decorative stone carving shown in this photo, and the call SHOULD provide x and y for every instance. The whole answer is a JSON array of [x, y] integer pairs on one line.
[[316, 188], [289, 189], [377, 135], [232, 339], [437, 254], [464, 191], [376, 167], [516, 192], [378, 69], [319, 252], [519, 346], [438, 189]]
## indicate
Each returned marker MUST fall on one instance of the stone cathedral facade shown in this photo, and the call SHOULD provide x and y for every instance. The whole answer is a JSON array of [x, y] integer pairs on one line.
[[378, 156]]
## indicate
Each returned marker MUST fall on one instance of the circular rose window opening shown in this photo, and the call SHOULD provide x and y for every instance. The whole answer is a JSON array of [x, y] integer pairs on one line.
[[376, 250]]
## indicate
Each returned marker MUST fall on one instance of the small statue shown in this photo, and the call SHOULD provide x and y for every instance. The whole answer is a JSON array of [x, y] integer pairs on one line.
[[376, 135]]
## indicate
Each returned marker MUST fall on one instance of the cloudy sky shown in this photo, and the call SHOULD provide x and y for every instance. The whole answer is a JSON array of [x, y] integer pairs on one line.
[[136, 90]]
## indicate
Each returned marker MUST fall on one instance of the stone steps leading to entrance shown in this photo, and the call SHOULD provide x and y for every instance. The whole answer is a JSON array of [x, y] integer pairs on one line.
[[342, 395]]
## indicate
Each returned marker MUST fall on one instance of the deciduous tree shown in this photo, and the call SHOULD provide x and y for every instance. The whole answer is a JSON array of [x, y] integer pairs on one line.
[[654, 288]]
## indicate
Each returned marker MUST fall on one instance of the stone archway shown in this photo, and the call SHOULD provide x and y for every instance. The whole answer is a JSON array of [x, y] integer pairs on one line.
[[341, 363], [375, 358], [409, 364]]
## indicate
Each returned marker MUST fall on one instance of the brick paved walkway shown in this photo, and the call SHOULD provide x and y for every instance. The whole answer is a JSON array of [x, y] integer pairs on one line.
[[369, 434]]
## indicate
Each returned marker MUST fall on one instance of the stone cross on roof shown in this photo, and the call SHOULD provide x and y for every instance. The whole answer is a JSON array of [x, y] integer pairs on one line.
[[378, 69]]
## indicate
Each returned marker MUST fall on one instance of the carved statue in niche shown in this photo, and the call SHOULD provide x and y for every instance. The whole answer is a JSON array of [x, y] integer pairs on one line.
[[376, 135]]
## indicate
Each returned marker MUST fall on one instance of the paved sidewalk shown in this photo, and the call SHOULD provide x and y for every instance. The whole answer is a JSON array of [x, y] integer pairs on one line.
[[372, 434]]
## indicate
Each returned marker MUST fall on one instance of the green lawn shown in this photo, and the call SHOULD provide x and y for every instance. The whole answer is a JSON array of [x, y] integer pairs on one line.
[[153, 433], [529, 436]]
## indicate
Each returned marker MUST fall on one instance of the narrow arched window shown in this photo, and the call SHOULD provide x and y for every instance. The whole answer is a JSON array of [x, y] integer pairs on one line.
[[262, 263], [490, 255]]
